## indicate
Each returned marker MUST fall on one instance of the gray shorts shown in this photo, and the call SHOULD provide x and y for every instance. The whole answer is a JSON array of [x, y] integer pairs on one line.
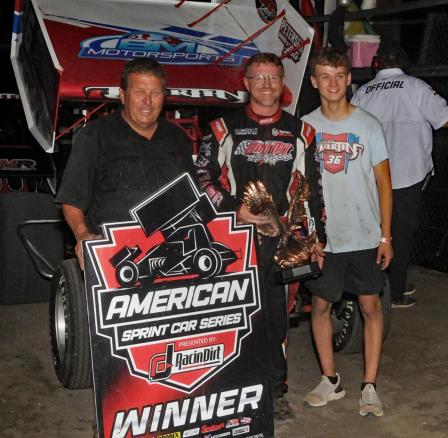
[[355, 272]]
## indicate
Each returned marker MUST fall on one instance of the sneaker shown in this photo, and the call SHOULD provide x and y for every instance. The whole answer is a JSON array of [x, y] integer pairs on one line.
[[282, 409], [403, 302], [325, 392], [370, 403], [410, 289]]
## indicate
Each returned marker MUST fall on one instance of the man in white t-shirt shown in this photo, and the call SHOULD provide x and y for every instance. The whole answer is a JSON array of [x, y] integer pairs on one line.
[[358, 204], [407, 108]]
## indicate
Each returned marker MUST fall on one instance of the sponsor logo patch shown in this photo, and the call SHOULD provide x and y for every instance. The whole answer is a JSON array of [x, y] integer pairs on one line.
[[171, 435], [170, 45], [212, 427], [191, 432], [246, 131], [240, 430], [281, 133], [269, 152], [232, 423]]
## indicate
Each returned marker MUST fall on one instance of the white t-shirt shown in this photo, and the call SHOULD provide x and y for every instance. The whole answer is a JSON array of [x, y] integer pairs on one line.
[[407, 107], [348, 150]]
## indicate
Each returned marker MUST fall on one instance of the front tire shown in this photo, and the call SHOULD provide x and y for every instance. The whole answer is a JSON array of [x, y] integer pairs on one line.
[[69, 330], [126, 274]]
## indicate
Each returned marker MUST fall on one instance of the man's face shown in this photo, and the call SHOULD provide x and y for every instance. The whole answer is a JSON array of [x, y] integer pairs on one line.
[[265, 85], [332, 82], [142, 101]]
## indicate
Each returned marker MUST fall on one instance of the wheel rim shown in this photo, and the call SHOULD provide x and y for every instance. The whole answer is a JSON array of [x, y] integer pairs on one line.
[[126, 274], [60, 324], [205, 263]]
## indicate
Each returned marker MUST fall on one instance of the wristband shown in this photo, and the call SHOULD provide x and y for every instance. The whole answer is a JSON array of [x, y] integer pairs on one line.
[[385, 239]]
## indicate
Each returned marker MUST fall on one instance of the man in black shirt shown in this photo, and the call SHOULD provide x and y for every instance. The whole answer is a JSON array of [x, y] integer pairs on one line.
[[118, 160]]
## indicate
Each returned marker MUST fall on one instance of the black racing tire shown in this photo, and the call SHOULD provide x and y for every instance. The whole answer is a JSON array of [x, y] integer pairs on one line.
[[207, 262], [126, 273], [348, 324], [20, 281], [69, 329]]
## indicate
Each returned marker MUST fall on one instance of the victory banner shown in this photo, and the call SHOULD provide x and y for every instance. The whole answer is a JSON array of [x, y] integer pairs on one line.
[[177, 323]]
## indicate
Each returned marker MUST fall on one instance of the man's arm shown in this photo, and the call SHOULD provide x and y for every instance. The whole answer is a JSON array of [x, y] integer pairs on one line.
[[432, 106], [209, 164], [314, 179], [384, 185], [75, 218]]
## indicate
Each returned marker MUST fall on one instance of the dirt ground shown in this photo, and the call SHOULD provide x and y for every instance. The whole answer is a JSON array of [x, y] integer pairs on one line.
[[412, 384]]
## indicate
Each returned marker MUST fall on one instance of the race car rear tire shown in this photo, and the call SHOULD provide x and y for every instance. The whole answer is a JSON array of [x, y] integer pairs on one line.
[[207, 262], [348, 324], [20, 281], [69, 331]]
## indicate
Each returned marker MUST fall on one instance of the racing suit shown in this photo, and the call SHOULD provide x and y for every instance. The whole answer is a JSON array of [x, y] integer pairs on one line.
[[244, 147]]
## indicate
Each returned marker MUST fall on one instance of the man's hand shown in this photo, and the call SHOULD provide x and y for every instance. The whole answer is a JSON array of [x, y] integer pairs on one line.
[[244, 216], [78, 247], [319, 254], [76, 221], [385, 254]]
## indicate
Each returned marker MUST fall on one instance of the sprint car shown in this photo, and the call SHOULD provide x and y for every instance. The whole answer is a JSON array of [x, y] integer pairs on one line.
[[188, 250]]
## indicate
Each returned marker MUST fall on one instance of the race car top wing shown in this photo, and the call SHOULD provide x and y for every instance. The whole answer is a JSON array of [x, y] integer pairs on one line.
[[65, 50]]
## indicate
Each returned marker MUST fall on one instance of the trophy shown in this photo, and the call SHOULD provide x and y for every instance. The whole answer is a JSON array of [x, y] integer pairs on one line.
[[296, 244]]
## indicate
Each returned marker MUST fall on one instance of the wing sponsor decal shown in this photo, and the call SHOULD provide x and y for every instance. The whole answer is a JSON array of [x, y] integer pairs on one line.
[[113, 93], [267, 9], [18, 164], [336, 151], [169, 45], [290, 38]]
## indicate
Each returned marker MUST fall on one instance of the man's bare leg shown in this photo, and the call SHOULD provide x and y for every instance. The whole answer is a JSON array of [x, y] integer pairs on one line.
[[369, 403], [323, 333], [372, 311], [329, 387]]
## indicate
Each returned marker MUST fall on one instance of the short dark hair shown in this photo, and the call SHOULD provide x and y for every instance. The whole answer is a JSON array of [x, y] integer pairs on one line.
[[264, 58], [330, 56], [392, 56], [145, 65]]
